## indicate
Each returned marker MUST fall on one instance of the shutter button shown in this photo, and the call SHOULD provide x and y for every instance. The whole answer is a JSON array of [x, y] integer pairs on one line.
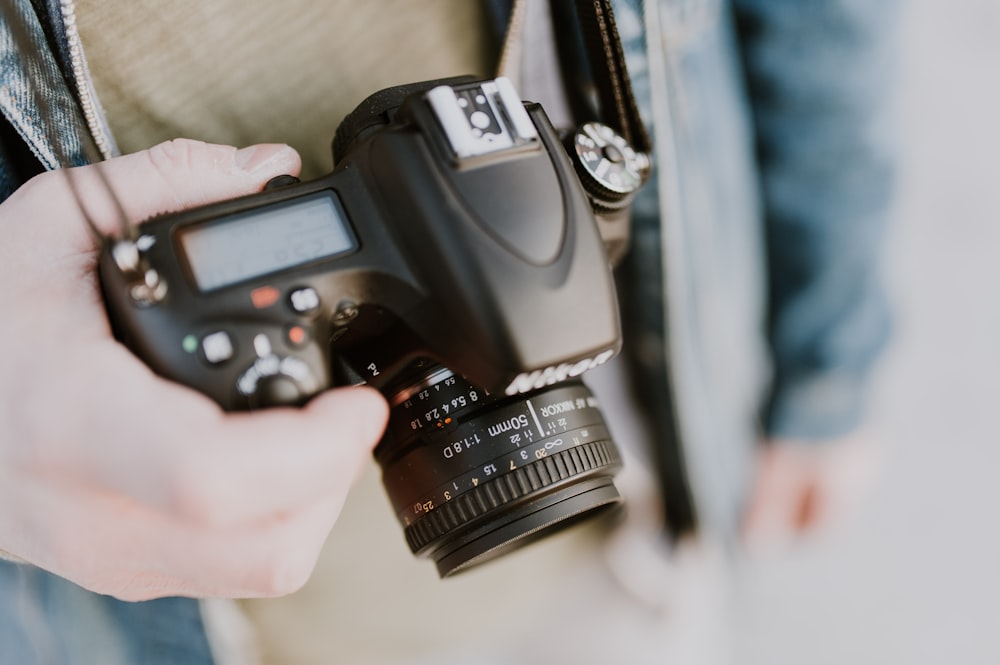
[[304, 300], [279, 181]]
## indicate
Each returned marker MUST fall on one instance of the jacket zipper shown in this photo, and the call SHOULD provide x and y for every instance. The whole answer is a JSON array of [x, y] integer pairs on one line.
[[92, 112]]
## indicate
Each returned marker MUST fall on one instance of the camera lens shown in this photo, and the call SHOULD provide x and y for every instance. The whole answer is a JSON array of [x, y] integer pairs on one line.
[[473, 475]]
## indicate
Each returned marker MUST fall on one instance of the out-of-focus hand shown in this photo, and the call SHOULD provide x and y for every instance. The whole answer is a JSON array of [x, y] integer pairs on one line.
[[806, 488], [121, 481]]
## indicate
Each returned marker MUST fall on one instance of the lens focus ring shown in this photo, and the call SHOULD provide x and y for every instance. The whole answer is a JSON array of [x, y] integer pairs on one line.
[[486, 497]]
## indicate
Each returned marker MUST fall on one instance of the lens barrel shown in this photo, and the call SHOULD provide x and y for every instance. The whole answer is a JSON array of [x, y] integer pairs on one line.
[[472, 475]]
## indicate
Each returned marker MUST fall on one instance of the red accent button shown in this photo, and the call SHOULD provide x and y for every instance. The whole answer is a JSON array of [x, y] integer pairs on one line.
[[297, 335], [264, 296]]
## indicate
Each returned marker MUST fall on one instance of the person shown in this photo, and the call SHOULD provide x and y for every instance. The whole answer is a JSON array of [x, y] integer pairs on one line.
[[133, 488]]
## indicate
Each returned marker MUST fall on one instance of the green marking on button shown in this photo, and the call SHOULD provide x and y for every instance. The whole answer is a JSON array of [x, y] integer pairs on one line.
[[190, 343]]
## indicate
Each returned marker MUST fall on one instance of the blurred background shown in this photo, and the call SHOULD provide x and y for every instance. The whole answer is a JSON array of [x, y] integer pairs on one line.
[[916, 578]]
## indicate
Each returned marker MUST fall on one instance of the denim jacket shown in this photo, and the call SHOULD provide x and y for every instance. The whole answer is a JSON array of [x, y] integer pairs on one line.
[[751, 296]]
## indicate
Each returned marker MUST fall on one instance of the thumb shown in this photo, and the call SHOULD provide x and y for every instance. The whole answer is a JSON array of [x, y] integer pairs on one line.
[[168, 177]]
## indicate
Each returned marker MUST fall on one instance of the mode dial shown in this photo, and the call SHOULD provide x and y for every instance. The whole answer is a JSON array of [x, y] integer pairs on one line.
[[610, 169]]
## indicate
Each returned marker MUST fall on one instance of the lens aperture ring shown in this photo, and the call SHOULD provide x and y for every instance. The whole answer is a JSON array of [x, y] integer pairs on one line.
[[529, 480]]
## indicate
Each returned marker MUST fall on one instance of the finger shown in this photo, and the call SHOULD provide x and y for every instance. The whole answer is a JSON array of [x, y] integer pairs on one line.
[[253, 466], [170, 176], [121, 427], [209, 468], [783, 481], [246, 516], [259, 562], [114, 546]]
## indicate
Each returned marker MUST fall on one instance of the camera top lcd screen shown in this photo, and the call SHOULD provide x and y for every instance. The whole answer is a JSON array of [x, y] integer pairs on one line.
[[248, 245]]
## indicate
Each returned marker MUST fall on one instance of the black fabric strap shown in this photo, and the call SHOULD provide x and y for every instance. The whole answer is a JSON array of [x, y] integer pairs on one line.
[[617, 105], [595, 79]]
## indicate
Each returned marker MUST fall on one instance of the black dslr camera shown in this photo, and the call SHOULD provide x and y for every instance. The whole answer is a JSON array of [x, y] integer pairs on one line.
[[457, 260]]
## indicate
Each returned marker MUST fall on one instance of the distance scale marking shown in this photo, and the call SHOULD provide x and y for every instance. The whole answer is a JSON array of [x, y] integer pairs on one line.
[[444, 401], [499, 466]]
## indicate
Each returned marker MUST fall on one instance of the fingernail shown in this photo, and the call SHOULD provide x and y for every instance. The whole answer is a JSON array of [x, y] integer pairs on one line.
[[256, 158]]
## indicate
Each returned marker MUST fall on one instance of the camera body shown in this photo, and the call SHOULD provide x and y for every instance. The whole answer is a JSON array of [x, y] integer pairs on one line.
[[456, 258], [484, 257]]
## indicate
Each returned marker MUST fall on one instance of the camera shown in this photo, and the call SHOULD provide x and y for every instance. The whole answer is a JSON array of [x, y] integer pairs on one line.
[[459, 259]]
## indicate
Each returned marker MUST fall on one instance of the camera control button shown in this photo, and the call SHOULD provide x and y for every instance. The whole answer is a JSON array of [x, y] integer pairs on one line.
[[609, 168], [304, 300], [277, 380], [296, 335], [277, 390], [262, 346], [217, 347], [280, 181], [264, 296]]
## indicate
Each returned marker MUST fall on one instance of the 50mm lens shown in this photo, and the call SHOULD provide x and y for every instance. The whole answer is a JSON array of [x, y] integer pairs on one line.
[[472, 475]]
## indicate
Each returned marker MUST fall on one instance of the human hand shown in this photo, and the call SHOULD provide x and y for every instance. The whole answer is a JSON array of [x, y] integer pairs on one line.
[[126, 483], [807, 488]]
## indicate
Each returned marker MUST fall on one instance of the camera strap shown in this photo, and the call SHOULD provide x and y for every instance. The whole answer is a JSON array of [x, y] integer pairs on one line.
[[601, 78], [609, 73]]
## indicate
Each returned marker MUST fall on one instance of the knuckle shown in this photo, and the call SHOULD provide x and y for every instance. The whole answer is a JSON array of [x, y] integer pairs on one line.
[[167, 160], [41, 184], [168, 155], [172, 160], [42, 181], [176, 153], [282, 573]]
